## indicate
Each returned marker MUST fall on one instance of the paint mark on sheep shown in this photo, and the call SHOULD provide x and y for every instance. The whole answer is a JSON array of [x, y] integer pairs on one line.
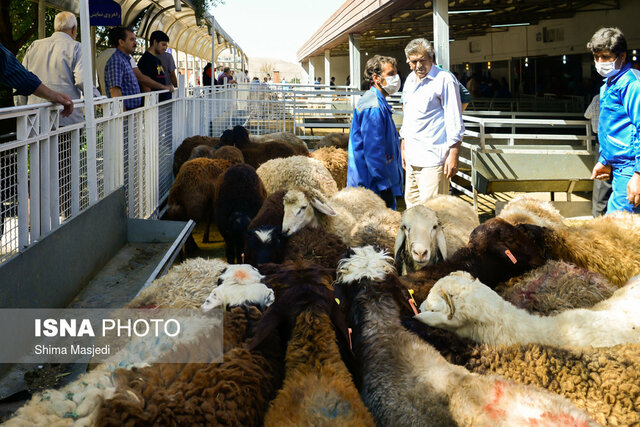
[[490, 408]]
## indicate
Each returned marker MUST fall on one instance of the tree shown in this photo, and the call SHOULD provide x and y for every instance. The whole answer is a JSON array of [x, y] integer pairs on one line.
[[267, 68]]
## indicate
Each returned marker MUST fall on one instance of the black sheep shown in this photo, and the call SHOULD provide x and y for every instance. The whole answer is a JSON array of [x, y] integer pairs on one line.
[[240, 194]]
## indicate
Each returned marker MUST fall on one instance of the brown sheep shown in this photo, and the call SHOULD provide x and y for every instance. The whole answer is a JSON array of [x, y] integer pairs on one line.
[[227, 152], [257, 153], [192, 195], [318, 389], [202, 151], [183, 152], [336, 161], [287, 137], [271, 212], [338, 140]]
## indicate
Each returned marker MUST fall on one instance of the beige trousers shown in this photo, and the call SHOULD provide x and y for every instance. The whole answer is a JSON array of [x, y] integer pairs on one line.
[[424, 183]]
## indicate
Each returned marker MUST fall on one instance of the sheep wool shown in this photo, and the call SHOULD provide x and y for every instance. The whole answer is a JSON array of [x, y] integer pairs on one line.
[[297, 171], [379, 230], [527, 210], [473, 310], [185, 285], [557, 286], [336, 161]]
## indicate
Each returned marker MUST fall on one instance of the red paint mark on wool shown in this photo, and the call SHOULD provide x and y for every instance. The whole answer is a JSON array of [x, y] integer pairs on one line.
[[490, 408], [560, 419], [240, 275]]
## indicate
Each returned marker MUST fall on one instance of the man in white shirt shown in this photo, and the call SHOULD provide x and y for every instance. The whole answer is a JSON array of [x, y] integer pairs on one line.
[[432, 127], [57, 61]]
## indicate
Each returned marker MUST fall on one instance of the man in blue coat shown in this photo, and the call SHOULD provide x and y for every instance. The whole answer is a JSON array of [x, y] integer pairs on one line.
[[619, 120], [374, 147]]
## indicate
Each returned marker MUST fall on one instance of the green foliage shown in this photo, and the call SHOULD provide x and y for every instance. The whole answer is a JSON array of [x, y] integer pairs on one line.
[[201, 6]]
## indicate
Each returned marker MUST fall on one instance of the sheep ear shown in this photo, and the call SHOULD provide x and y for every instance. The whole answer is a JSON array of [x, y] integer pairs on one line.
[[322, 207], [269, 323], [270, 298], [442, 243], [399, 250]]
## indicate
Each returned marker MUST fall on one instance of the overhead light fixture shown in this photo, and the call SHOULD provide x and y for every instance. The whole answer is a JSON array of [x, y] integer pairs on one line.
[[460, 12], [467, 67], [178, 5], [452, 40], [391, 37], [526, 62], [519, 24], [564, 59], [488, 65]]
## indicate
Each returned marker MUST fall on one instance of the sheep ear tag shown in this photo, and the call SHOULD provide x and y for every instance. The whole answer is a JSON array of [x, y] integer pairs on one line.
[[413, 306], [350, 332], [510, 255], [412, 298]]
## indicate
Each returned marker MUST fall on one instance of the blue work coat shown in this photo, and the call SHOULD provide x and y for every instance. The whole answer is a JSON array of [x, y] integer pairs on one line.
[[620, 120], [374, 146]]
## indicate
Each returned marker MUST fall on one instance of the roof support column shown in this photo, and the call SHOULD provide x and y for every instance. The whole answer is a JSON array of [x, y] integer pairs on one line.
[[441, 32], [305, 72], [354, 61], [42, 9], [327, 67], [312, 71]]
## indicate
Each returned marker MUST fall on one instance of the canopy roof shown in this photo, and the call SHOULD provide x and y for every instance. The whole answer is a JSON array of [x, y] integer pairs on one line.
[[186, 34], [388, 25]]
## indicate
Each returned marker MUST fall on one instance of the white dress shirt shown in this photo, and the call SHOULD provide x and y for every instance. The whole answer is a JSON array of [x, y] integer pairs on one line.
[[57, 61], [432, 121]]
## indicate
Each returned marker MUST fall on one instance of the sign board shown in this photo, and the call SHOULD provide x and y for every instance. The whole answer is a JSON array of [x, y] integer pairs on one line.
[[105, 13]]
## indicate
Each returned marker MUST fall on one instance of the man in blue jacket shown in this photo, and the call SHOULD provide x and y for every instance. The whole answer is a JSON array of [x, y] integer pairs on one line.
[[374, 147], [619, 120]]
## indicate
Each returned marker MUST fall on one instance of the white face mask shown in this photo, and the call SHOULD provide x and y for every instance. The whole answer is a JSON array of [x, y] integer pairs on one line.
[[392, 84], [607, 69]]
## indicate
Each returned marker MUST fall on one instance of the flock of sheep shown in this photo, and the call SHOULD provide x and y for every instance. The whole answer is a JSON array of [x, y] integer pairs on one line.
[[339, 311]]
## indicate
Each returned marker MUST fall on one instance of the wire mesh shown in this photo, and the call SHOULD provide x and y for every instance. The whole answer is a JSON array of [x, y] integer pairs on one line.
[[100, 159], [165, 153], [64, 174], [8, 203], [84, 173]]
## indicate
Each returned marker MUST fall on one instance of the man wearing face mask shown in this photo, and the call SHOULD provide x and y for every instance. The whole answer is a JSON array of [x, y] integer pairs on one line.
[[432, 126], [619, 120], [374, 148]]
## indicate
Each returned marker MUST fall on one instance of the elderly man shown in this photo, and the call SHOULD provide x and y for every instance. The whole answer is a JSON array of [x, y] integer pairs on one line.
[[619, 120], [432, 126], [57, 60]]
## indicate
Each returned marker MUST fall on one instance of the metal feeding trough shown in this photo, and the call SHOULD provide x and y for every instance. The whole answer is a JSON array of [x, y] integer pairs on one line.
[[99, 259]]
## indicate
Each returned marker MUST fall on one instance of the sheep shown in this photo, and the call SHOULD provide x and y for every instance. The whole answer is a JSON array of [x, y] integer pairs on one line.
[[556, 286], [303, 207], [239, 196], [239, 284], [473, 310], [227, 152], [602, 381], [379, 229], [336, 161], [234, 392], [297, 171], [405, 381], [202, 151], [527, 210], [183, 152], [608, 245], [490, 254], [338, 140], [359, 201], [192, 194], [271, 212], [185, 285], [318, 389], [267, 244], [257, 153], [284, 137], [433, 231]]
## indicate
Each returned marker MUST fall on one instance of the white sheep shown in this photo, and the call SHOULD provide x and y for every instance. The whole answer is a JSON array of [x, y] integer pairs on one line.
[[297, 171], [472, 310], [185, 285], [527, 210], [433, 231], [379, 229], [239, 284]]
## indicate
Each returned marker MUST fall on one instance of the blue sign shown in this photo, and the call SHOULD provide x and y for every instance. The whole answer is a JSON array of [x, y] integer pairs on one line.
[[105, 13]]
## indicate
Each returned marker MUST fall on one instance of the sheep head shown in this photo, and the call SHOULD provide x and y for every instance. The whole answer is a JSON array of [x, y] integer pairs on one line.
[[302, 208], [239, 284], [420, 240], [450, 300], [264, 245]]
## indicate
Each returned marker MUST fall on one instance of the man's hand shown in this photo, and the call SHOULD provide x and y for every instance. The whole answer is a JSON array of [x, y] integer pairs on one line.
[[451, 163], [633, 190], [169, 88], [404, 162], [56, 97], [601, 171]]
